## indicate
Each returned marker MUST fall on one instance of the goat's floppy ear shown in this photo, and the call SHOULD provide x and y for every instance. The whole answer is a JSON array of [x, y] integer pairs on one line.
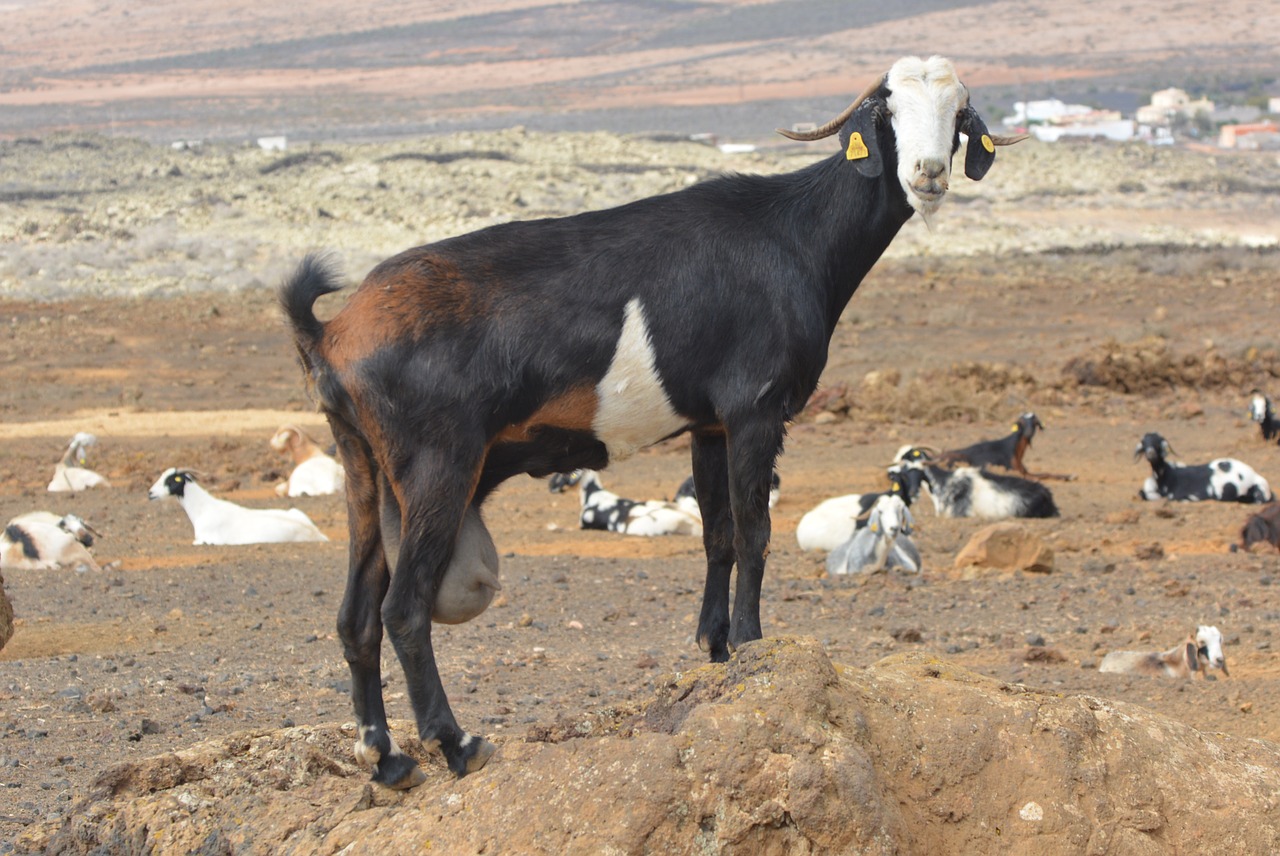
[[860, 140], [980, 154]]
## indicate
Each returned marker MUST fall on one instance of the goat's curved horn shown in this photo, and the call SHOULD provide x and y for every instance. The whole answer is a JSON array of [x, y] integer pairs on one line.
[[1007, 139], [837, 123]]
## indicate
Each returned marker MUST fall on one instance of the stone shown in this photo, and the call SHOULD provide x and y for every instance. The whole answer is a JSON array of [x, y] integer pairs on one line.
[[1005, 546]]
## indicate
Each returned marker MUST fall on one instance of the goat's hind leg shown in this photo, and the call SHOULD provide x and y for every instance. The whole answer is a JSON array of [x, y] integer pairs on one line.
[[434, 495], [360, 619]]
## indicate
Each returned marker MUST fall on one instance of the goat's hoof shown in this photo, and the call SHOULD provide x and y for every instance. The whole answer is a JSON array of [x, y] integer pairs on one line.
[[398, 772], [484, 751]]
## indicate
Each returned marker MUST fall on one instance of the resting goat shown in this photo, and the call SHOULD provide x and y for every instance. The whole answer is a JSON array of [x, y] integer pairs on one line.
[[604, 510], [41, 540], [885, 541], [971, 492], [1195, 654], [687, 494], [1006, 452], [1223, 479], [1261, 528], [833, 521], [1262, 412], [315, 473], [552, 345], [70, 474], [217, 521]]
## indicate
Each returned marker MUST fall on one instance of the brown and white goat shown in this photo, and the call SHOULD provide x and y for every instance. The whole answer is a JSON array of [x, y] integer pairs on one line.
[[552, 345], [315, 473], [1193, 655]]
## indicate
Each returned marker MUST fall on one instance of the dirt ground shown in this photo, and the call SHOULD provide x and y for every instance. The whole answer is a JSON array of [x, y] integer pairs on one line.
[[173, 644]]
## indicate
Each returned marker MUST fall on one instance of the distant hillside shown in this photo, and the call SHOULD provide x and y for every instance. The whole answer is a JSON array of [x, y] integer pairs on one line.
[[230, 68]]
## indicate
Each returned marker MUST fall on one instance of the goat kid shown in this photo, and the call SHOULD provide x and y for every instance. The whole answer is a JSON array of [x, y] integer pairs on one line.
[[1193, 655], [70, 474], [604, 510], [885, 542], [1222, 479], [41, 540], [833, 521], [219, 522], [552, 345], [315, 473]]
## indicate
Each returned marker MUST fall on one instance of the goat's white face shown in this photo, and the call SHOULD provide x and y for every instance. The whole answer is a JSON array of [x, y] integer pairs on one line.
[[925, 98], [889, 517], [1258, 407], [1209, 641]]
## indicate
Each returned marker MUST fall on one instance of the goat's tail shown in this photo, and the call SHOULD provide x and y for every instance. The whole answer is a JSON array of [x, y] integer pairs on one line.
[[315, 277]]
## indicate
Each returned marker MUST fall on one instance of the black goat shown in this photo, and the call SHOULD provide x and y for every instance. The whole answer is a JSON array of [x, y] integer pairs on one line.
[[1006, 452], [1223, 479], [551, 345], [1261, 528]]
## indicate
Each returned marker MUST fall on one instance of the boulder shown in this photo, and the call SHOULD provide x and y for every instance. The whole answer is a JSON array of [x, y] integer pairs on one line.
[[1005, 546], [777, 751]]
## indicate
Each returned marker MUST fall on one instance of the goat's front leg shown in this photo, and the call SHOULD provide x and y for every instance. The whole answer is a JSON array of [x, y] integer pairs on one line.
[[711, 483], [360, 622], [434, 497], [752, 454]]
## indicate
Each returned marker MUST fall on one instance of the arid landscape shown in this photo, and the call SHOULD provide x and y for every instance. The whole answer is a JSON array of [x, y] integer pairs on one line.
[[195, 699]]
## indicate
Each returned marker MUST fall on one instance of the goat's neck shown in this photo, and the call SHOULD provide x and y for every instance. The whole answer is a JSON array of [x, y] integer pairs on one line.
[[196, 499]]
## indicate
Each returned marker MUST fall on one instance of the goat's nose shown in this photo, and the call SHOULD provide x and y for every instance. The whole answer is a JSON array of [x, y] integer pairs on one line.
[[932, 167]]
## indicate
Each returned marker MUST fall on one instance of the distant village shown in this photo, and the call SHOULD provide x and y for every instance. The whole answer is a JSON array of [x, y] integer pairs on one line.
[[1171, 114]]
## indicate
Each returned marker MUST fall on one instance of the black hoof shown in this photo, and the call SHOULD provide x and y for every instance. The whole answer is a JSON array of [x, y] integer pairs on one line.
[[473, 754], [399, 772]]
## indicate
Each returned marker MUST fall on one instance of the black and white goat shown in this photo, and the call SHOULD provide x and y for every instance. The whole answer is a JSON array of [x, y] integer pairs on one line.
[[833, 521], [1193, 655], [552, 345], [70, 474], [1222, 479], [220, 522], [40, 540], [972, 492], [1264, 413], [687, 494], [602, 509], [884, 542]]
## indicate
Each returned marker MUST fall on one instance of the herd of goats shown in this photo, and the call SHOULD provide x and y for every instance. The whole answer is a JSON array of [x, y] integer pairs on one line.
[[859, 532]]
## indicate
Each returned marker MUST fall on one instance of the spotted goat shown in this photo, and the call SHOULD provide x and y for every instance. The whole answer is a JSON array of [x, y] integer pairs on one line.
[[550, 345]]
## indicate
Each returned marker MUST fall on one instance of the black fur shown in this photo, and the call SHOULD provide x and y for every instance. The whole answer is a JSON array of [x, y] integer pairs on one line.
[[17, 535]]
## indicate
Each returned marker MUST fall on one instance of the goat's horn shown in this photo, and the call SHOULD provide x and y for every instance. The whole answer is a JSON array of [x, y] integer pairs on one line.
[[835, 124], [1007, 140]]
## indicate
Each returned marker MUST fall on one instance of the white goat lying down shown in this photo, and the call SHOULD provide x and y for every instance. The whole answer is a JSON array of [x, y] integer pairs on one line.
[[1193, 654], [602, 509], [218, 521], [315, 473], [885, 542], [41, 540], [70, 475]]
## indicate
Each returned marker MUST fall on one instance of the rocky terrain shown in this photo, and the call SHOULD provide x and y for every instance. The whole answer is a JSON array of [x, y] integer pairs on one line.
[[1111, 289]]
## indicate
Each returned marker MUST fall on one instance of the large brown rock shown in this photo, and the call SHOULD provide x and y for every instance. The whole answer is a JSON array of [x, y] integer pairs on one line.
[[1005, 546], [6, 616], [778, 751]]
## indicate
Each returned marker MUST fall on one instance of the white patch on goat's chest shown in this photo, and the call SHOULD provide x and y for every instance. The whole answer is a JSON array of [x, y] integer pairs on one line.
[[634, 410]]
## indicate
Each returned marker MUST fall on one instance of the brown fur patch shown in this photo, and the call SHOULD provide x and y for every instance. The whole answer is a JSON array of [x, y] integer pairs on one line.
[[400, 300], [575, 410]]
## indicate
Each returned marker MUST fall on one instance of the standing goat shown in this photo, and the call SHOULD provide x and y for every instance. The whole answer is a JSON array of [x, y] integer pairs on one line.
[[1264, 413], [885, 542], [315, 473], [1223, 479], [551, 345], [70, 475]]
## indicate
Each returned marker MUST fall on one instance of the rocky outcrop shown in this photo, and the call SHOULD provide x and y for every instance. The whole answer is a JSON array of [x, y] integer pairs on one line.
[[778, 751], [1005, 546]]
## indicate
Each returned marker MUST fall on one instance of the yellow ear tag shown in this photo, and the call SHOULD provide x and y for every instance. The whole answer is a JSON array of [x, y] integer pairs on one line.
[[875, 528], [988, 145], [857, 149], [1014, 428]]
